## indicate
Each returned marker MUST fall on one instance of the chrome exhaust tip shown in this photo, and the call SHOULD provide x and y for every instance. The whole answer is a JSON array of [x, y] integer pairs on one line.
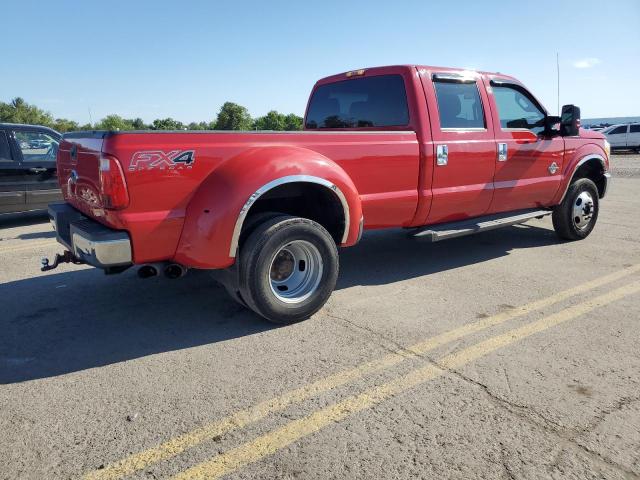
[[147, 271], [174, 270]]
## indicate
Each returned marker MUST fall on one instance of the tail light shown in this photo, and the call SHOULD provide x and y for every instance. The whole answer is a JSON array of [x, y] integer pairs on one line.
[[113, 187]]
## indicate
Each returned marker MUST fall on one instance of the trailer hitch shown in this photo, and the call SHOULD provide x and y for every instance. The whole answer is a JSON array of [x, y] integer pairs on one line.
[[66, 257]]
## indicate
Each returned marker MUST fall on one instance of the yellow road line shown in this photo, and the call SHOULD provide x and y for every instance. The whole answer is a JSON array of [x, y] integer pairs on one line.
[[30, 246], [242, 418], [275, 440]]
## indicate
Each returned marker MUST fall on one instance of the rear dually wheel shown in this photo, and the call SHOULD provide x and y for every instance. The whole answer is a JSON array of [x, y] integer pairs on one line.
[[288, 268]]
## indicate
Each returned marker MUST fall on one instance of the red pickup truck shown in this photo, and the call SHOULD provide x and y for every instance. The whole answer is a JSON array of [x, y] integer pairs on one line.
[[443, 152]]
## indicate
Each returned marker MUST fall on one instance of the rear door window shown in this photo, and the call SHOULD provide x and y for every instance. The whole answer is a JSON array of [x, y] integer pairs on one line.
[[378, 101], [459, 105], [635, 128]]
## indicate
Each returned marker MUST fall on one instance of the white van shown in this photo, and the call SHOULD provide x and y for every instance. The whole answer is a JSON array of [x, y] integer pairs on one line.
[[623, 136]]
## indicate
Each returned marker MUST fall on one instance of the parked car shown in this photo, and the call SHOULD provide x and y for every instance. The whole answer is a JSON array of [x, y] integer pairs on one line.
[[623, 136], [27, 173], [439, 151]]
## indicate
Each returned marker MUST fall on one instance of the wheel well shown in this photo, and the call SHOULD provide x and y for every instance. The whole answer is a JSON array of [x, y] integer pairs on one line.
[[593, 170], [301, 199]]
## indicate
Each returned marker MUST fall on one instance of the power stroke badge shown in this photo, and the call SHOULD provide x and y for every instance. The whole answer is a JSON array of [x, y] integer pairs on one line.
[[160, 160]]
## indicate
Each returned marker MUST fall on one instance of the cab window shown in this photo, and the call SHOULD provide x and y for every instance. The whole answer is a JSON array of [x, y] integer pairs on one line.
[[378, 101], [618, 130], [516, 109], [459, 105], [5, 151], [36, 146], [635, 129]]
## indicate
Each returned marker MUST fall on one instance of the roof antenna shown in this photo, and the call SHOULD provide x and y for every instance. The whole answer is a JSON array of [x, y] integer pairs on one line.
[[90, 119], [558, 75]]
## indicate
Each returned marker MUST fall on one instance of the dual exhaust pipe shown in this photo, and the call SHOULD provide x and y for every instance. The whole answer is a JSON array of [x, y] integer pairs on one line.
[[171, 270]]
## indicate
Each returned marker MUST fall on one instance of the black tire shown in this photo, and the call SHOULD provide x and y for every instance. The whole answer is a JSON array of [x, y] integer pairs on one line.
[[252, 222], [566, 224], [258, 254]]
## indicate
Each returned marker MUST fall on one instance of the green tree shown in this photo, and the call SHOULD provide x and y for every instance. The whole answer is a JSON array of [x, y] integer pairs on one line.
[[233, 117], [230, 117], [199, 126], [64, 125], [278, 121], [271, 121], [292, 122], [19, 111], [167, 124], [138, 124], [114, 123]]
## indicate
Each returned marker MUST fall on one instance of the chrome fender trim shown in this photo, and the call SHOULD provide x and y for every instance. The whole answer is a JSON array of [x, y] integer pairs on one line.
[[585, 159], [281, 181]]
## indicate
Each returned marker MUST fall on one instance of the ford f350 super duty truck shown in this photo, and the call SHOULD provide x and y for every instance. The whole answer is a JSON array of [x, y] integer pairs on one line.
[[443, 152]]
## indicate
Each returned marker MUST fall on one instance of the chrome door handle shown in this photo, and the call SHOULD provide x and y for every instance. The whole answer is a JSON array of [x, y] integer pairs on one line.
[[442, 155], [502, 152], [37, 170]]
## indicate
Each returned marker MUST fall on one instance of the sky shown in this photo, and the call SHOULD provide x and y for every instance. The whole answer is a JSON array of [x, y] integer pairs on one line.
[[155, 59]]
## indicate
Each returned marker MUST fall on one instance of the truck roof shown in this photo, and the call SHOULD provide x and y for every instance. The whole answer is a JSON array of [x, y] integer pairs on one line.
[[26, 125], [382, 69]]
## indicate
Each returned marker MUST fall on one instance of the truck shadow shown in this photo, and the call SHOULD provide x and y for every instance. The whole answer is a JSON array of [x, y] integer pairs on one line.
[[389, 256], [67, 322], [9, 220]]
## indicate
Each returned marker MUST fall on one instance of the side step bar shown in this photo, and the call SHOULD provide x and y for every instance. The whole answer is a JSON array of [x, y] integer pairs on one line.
[[444, 231]]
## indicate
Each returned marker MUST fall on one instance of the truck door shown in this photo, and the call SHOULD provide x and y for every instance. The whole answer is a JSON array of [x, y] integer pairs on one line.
[[463, 143], [12, 185], [617, 136], [528, 164], [633, 137], [38, 150]]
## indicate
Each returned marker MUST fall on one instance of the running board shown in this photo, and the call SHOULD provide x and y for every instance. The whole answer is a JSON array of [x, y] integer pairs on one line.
[[444, 231]]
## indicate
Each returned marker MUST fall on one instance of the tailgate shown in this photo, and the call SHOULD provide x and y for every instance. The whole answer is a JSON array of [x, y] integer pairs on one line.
[[78, 171]]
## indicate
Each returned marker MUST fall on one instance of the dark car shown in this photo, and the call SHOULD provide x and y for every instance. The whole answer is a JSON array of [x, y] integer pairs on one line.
[[28, 167]]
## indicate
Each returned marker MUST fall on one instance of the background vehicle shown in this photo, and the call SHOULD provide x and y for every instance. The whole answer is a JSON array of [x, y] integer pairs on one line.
[[623, 136], [27, 167], [441, 151]]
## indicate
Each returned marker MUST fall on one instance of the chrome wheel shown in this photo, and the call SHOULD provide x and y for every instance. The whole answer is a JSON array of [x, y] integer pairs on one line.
[[583, 209], [295, 272]]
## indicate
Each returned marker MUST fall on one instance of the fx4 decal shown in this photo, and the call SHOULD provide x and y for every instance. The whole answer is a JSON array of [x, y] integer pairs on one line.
[[157, 159]]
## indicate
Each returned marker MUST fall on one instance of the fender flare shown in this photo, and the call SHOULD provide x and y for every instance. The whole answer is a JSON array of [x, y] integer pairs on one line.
[[233, 248], [586, 158], [217, 209]]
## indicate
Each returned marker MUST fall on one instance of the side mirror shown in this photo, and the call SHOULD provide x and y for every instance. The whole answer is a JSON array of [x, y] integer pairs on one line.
[[551, 126], [570, 121]]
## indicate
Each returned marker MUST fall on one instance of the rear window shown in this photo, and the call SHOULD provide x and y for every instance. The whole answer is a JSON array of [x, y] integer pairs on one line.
[[635, 128], [379, 101]]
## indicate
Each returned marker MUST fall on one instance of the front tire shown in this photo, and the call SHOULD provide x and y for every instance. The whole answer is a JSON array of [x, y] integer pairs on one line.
[[288, 268], [576, 216]]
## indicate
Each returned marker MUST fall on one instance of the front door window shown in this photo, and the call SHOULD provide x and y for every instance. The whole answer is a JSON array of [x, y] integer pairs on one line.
[[517, 110]]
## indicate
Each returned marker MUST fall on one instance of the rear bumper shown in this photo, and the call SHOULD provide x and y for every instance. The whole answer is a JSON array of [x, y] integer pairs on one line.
[[88, 240]]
